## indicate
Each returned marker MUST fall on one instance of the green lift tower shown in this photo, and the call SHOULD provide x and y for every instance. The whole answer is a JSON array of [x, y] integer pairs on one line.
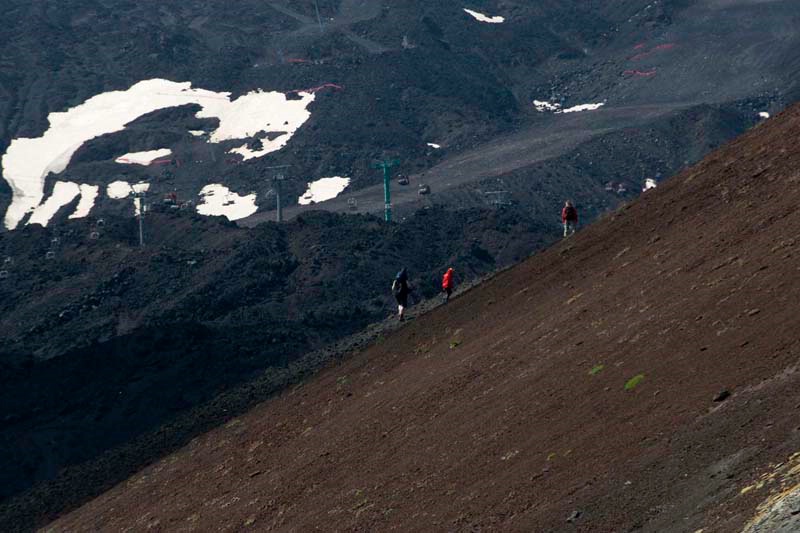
[[385, 165]]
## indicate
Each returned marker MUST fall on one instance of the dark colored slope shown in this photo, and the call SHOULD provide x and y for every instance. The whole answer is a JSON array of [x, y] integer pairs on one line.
[[457, 82], [486, 415], [106, 342], [566, 155]]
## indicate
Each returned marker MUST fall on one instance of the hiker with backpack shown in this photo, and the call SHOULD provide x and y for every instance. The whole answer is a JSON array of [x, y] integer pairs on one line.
[[401, 289], [448, 284], [569, 218]]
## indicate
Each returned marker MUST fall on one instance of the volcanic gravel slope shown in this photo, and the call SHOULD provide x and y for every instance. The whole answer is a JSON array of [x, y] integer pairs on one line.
[[107, 341], [508, 408], [390, 77]]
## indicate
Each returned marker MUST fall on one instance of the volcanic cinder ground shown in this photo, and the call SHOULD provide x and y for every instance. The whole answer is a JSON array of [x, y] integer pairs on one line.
[[366, 80], [641, 375], [114, 356]]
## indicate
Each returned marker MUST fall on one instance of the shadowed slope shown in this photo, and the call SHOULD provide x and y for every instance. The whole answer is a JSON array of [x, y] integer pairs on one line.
[[579, 385]]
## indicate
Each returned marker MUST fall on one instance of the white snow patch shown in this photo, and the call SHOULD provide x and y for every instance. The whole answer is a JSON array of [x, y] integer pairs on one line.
[[197, 133], [140, 187], [258, 112], [542, 106], [63, 193], [435, 146], [324, 189], [218, 200], [89, 194], [119, 190], [763, 114], [650, 183], [143, 158], [583, 107], [28, 161], [484, 18]]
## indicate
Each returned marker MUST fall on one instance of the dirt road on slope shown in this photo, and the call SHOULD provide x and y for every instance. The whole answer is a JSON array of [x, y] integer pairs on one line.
[[350, 12], [554, 136]]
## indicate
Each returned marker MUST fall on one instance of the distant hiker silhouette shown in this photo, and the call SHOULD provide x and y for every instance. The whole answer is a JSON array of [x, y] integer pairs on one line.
[[569, 217], [448, 284], [401, 290]]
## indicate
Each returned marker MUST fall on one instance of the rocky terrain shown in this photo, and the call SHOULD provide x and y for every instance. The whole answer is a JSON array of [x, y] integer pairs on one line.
[[103, 340], [391, 78], [106, 345], [640, 376]]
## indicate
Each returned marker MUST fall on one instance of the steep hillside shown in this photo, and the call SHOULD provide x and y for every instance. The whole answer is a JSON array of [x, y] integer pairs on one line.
[[103, 341], [387, 79], [595, 160], [641, 375]]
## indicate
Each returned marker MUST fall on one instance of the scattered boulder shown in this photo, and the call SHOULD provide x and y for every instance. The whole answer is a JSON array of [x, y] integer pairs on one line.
[[722, 396]]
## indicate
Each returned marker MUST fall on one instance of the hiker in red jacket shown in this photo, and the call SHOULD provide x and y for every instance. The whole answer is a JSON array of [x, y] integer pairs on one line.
[[448, 284], [569, 217]]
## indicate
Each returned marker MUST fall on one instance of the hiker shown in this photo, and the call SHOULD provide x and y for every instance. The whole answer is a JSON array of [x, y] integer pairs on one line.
[[569, 217], [448, 284], [401, 290]]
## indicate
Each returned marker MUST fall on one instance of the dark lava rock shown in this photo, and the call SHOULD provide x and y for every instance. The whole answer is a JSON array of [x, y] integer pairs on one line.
[[722, 396]]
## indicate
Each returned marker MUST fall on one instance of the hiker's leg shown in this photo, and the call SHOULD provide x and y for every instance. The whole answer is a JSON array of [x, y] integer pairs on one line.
[[566, 228]]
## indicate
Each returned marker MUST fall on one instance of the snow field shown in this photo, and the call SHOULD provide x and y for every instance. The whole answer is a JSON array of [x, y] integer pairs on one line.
[[218, 200], [119, 190], [64, 192], [480, 17], [143, 158], [324, 189], [543, 106], [89, 194], [28, 161]]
